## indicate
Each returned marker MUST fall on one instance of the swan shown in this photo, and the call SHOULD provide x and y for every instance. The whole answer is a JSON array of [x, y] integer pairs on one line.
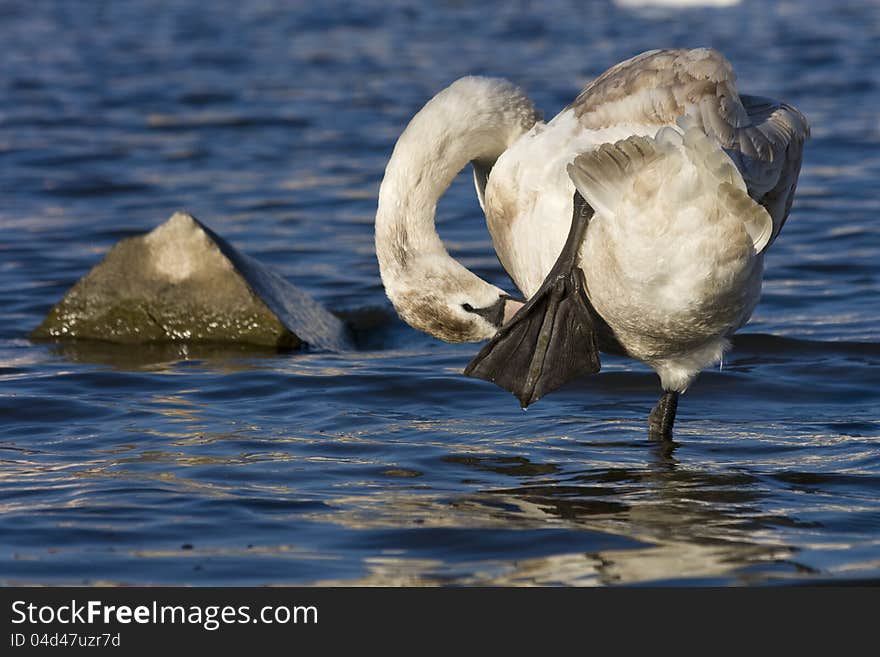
[[634, 222]]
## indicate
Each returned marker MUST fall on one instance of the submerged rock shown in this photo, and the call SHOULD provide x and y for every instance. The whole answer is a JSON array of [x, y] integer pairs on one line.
[[183, 282]]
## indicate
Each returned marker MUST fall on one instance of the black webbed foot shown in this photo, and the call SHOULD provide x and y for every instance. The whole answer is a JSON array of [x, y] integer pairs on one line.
[[552, 338]]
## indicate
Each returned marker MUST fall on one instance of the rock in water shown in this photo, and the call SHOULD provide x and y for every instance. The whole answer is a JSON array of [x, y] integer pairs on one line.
[[183, 282]]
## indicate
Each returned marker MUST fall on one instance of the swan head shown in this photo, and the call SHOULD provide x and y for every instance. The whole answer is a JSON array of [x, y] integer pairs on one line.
[[442, 298], [473, 120]]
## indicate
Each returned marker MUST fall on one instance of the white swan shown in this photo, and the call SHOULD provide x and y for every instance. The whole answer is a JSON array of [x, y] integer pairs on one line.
[[635, 221]]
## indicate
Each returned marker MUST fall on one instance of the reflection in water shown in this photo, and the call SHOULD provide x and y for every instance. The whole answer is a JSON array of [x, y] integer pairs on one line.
[[665, 511], [158, 356]]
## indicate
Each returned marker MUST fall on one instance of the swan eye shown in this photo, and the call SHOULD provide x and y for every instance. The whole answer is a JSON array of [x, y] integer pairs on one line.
[[468, 307]]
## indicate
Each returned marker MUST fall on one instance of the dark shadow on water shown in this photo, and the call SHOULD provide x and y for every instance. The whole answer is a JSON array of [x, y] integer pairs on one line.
[[766, 344], [372, 328], [689, 524], [514, 466]]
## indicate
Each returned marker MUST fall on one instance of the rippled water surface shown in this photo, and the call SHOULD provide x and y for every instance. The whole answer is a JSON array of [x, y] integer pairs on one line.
[[272, 122]]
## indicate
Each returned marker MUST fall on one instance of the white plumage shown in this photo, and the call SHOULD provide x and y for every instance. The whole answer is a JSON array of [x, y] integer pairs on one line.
[[689, 181]]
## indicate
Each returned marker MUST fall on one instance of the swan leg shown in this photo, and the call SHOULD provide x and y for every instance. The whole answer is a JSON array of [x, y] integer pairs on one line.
[[552, 338], [662, 418]]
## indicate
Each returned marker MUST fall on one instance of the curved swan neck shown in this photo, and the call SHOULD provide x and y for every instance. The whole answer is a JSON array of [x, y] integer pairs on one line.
[[472, 119]]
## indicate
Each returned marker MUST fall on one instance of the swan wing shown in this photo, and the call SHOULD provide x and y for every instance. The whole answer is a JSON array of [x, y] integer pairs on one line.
[[605, 177], [763, 137], [768, 154], [659, 86]]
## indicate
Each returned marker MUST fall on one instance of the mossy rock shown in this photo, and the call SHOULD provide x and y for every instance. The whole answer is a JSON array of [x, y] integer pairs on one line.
[[182, 282]]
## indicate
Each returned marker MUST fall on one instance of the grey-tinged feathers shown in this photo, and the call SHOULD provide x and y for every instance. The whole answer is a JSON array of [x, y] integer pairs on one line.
[[600, 175], [763, 137], [659, 86], [772, 164]]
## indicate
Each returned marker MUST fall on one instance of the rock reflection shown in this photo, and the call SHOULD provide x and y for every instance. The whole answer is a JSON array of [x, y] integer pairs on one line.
[[161, 357]]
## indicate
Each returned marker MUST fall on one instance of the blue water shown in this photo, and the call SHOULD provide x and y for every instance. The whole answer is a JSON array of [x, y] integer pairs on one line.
[[272, 123]]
